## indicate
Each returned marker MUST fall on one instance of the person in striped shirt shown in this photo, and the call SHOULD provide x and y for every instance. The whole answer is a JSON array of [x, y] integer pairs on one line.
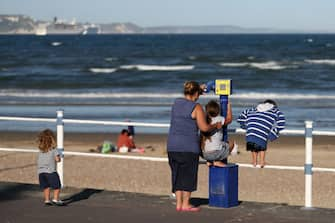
[[262, 123]]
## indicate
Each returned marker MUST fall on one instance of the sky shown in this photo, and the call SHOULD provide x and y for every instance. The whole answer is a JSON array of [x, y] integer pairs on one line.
[[279, 14]]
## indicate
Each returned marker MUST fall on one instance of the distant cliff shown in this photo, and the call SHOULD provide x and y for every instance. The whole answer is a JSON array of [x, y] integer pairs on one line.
[[20, 24], [204, 30], [120, 28]]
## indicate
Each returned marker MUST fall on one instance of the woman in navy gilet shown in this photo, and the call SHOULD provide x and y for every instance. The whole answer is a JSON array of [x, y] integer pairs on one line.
[[183, 144]]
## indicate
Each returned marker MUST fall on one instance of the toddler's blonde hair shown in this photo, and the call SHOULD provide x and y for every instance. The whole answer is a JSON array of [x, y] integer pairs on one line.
[[46, 140]]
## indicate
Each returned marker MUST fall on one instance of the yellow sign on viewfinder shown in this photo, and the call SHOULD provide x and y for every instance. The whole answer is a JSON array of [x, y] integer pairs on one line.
[[223, 87]]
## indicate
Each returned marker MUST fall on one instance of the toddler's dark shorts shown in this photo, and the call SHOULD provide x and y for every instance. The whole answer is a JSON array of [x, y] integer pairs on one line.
[[49, 180]]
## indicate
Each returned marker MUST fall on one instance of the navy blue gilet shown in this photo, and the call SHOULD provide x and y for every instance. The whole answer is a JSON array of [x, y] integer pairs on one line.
[[184, 132]]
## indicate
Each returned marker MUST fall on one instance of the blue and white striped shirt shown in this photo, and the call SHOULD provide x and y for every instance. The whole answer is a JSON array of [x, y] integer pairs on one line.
[[262, 123]]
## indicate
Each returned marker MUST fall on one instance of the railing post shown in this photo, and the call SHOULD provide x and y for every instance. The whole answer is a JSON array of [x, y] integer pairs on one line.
[[308, 163], [60, 145]]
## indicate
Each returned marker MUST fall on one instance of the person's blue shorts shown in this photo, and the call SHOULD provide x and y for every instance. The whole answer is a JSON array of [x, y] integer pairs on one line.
[[49, 180]]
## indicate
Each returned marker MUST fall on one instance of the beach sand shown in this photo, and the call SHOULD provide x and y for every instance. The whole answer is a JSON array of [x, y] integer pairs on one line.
[[255, 184]]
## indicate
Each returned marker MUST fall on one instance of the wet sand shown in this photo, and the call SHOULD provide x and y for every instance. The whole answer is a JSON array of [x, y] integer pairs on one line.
[[152, 177]]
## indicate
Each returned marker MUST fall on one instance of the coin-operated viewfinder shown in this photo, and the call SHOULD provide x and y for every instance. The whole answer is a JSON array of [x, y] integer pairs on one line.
[[223, 88]]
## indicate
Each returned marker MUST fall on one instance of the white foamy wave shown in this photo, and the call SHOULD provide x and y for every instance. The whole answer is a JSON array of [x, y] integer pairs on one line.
[[325, 61], [234, 64], [251, 95], [293, 96], [270, 65], [103, 70], [56, 43], [46, 94], [157, 67]]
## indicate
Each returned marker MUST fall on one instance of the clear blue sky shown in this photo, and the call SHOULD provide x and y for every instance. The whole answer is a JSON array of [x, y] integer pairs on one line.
[[283, 14]]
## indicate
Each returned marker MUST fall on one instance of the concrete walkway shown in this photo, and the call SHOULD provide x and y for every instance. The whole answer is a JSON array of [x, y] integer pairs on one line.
[[24, 203]]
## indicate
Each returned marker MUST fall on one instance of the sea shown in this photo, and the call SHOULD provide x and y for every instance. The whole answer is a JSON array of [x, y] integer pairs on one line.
[[137, 77]]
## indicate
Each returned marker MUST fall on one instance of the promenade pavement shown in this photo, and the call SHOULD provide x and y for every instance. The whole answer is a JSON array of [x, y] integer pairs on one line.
[[24, 203]]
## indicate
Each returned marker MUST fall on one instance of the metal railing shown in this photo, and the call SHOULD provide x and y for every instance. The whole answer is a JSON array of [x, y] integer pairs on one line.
[[308, 132]]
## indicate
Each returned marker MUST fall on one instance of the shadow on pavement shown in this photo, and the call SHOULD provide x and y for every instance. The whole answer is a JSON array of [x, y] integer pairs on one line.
[[199, 201], [83, 195], [14, 191]]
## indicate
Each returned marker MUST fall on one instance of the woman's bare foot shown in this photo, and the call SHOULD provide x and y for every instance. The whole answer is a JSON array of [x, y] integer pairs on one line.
[[262, 164], [219, 164]]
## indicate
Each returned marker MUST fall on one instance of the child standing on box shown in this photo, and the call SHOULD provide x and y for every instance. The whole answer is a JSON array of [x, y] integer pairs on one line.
[[46, 167], [214, 149]]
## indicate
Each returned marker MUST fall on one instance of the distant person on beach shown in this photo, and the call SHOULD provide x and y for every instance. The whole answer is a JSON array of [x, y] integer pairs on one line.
[[131, 130], [262, 123], [46, 167], [125, 143], [214, 149], [183, 144]]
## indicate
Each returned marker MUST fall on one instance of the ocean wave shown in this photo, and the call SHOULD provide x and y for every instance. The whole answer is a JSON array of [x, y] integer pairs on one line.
[[103, 70], [157, 67], [269, 65], [321, 61], [56, 43], [249, 95], [234, 64], [286, 96], [40, 94]]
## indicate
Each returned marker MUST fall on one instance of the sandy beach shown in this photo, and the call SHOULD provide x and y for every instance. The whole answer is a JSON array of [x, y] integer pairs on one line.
[[255, 184]]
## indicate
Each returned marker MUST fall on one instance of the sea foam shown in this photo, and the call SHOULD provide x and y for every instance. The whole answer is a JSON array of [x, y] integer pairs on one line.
[[321, 61], [56, 43], [234, 64], [269, 65], [247, 95], [103, 70], [157, 67]]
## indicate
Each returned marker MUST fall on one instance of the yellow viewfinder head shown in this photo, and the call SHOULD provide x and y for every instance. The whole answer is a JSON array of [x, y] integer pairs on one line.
[[223, 87]]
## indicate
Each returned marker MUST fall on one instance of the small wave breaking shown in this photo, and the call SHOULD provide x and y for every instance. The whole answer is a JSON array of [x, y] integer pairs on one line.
[[103, 70], [269, 65], [321, 61], [158, 67], [249, 95], [56, 43]]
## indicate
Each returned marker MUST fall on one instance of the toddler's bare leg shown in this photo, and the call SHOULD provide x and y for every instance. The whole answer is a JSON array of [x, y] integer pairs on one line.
[[46, 193], [56, 194]]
